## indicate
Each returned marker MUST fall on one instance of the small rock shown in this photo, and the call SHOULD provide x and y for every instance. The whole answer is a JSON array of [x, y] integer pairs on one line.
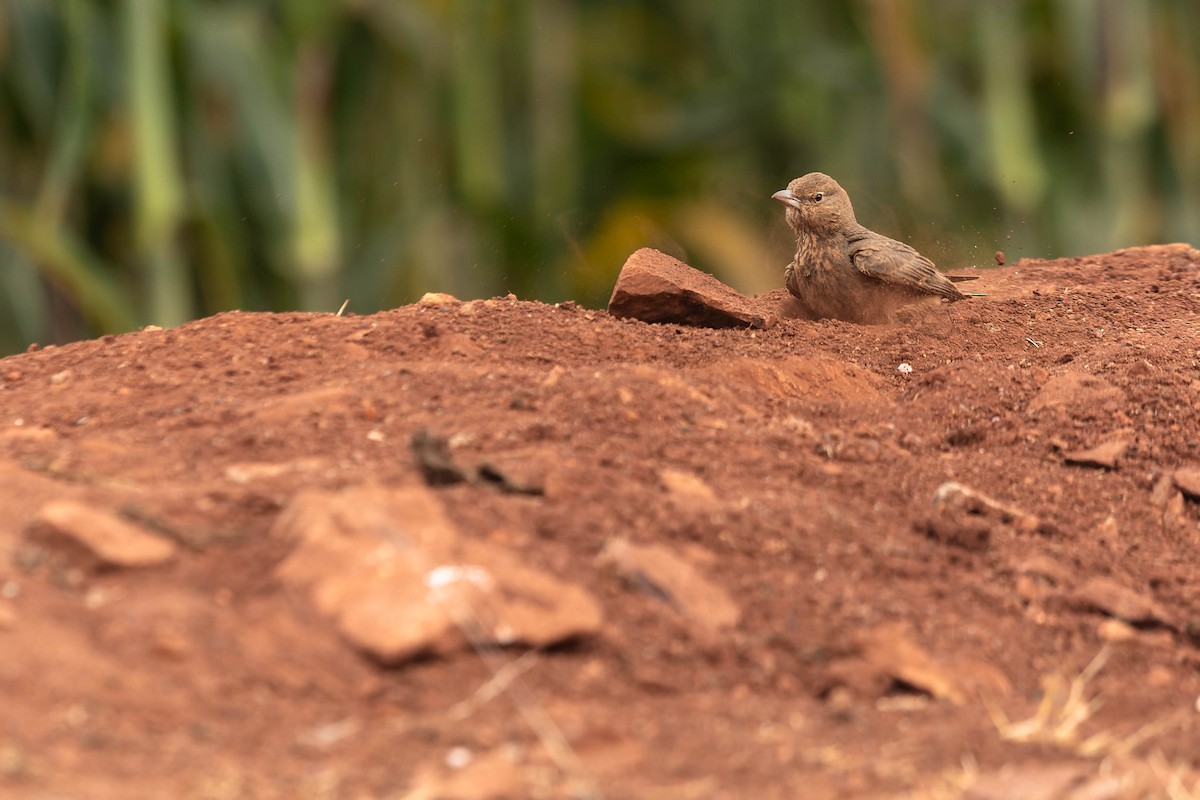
[[1175, 518], [1163, 489], [324, 738], [1029, 782], [1115, 630], [1142, 369], [1159, 676], [1187, 480], [1040, 578], [971, 533], [687, 488], [246, 472], [471, 308], [667, 577], [1081, 393], [1104, 455], [1031, 589], [459, 757], [495, 775], [1110, 597], [398, 580], [1046, 569], [1109, 530], [103, 536], [438, 299], [954, 497], [887, 655], [654, 287]]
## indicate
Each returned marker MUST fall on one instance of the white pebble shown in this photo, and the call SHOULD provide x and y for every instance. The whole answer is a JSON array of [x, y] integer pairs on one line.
[[458, 757]]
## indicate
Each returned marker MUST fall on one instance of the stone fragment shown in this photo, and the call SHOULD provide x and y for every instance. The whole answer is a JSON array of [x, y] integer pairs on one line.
[[654, 287], [397, 579], [955, 495], [1029, 782], [1039, 578], [438, 299], [887, 655], [662, 574], [1108, 596], [970, 532], [1187, 480], [246, 472], [323, 738], [1115, 630], [1174, 518], [100, 536], [1119, 778], [1163, 489], [687, 489], [1109, 530], [1168, 497], [1104, 455], [1082, 394], [1044, 568], [495, 775]]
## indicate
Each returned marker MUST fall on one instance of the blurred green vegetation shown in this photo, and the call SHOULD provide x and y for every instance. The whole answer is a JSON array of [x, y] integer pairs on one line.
[[165, 159]]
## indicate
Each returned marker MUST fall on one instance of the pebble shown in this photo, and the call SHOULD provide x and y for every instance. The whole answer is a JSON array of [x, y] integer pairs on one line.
[[110, 539]]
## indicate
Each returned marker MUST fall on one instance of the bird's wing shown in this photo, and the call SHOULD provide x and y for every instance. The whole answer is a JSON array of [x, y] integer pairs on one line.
[[898, 264]]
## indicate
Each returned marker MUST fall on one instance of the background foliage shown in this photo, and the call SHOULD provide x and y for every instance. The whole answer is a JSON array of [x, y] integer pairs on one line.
[[164, 159]]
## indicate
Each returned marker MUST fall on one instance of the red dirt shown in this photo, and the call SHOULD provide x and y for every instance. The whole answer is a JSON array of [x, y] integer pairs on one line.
[[207, 679]]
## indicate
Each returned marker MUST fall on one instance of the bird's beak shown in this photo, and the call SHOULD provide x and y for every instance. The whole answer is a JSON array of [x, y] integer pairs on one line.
[[786, 197]]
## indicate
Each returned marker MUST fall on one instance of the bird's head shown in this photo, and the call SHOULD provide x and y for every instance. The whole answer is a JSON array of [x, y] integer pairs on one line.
[[816, 202]]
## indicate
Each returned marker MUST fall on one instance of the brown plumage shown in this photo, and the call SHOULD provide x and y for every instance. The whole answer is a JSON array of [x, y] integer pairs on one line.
[[845, 271]]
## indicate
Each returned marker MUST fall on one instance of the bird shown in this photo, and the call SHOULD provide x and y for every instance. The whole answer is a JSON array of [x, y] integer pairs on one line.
[[845, 271]]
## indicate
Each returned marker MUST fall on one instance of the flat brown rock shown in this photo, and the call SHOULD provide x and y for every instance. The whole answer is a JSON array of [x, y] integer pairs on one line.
[[673, 580], [1187, 480], [880, 657], [102, 535], [654, 287], [1112, 598], [1081, 394], [398, 581], [1104, 455], [1030, 782]]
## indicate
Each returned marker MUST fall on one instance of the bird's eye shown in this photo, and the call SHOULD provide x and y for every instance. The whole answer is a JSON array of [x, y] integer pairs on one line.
[[818, 197]]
